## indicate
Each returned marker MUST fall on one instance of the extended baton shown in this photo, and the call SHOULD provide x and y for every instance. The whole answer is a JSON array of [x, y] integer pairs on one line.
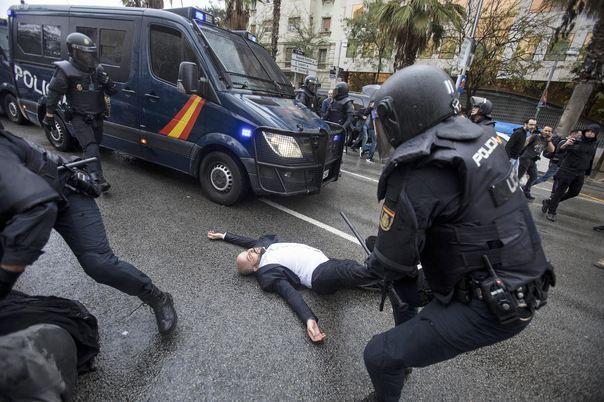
[[76, 163], [388, 286]]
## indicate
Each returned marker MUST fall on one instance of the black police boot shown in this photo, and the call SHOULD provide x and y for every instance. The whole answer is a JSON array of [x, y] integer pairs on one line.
[[544, 205], [100, 180], [551, 217], [163, 308]]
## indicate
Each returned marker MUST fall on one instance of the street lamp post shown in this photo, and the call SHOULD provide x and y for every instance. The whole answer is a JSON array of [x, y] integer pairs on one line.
[[471, 37]]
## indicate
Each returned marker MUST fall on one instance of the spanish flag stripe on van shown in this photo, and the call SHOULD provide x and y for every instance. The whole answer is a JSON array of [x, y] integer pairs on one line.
[[181, 125]]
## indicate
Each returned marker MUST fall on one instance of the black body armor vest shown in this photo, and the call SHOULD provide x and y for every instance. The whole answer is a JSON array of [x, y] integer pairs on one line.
[[304, 96], [336, 113], [494, 218], [85, 95]]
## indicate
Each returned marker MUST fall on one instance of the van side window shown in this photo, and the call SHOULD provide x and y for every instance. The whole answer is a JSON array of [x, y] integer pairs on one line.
[[52, 41], [88, 31], [29, 38], [168, 50], [111, 46]]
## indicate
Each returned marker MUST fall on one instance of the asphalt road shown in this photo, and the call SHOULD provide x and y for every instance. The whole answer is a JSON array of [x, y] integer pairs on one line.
[[235, 342]]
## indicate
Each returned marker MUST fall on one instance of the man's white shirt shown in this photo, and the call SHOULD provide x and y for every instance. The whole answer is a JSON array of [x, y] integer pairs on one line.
[[298, 258]]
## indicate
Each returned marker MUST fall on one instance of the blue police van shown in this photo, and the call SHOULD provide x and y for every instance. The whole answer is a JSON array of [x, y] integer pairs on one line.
[[192, 96], [8, 93]]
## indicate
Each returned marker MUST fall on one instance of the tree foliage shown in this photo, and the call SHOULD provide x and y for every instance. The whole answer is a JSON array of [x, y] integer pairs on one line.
[[365, 32], [412, 24], [144, 3]]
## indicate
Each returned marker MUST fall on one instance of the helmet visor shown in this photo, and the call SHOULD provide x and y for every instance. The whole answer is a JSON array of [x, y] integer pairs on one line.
[[313, 86], [86, 57], [384, 147]]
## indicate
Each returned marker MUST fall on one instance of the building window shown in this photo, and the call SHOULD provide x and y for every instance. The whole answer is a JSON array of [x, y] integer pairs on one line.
[[52, 41], [326, 24], [293, 24], [448, 48], [268, 26], [557, 51], [29, 38], [322, 58], [527, 48], [351, 49]]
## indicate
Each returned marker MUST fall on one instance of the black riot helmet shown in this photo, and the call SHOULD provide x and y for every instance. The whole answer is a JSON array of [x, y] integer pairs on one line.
[[410, 102], [312, 84], [482, 105], [340, 91], [82, 51]]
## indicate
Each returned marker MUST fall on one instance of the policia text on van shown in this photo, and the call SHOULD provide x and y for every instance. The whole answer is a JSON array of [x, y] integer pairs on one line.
[[192, 97]]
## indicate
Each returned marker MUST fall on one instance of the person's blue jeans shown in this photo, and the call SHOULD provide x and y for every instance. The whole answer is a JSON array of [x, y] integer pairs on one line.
[[551, 171], [369, 141]]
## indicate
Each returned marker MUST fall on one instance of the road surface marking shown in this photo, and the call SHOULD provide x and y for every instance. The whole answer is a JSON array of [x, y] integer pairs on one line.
[[360, 175], [310, 220]]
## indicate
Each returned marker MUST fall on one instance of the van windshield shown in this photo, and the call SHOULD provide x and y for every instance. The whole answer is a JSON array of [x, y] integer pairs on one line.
[[247, 63]]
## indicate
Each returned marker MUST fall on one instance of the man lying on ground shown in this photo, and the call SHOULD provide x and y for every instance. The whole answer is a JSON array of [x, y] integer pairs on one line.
[[283, 267]]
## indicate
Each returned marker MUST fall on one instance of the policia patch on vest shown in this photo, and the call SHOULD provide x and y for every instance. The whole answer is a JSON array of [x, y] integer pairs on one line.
[[386, 218]]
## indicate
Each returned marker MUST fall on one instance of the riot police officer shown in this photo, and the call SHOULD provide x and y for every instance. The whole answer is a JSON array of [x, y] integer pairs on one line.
[[341, 110], [307, 94], [481, 111], [85, 83], [452, 203], [47, 198]]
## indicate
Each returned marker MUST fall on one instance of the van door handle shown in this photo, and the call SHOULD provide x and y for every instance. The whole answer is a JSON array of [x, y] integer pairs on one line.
[[129, 91], [153, 97]]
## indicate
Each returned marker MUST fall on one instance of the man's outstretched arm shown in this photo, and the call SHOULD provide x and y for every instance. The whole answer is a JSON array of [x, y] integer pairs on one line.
[[284, 289], [245, 242]]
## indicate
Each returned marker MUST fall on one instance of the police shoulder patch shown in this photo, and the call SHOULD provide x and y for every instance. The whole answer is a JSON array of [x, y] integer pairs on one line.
[[386, 218], [79, 87]]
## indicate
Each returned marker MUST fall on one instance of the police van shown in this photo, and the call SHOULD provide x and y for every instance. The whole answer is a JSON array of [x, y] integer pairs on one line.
[[8, 93], [192, 96]]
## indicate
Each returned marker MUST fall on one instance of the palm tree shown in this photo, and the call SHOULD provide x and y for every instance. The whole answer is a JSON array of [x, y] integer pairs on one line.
[[237, 13], [412, 24], [591, 70], [145, 3], [275, 33]]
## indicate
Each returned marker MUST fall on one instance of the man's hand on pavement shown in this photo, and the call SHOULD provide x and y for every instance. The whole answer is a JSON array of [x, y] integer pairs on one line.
[[314, 332], [212, 235]]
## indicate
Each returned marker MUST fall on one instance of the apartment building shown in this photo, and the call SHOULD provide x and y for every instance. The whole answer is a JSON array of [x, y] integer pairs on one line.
[[320, 27]]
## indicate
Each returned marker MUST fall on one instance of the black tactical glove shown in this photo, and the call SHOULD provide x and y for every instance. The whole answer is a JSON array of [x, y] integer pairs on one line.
[[81, 182], [103, 77], [49, 122]]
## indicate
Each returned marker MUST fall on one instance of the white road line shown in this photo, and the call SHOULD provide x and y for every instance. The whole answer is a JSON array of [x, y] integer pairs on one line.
[[310, 220], [360, 175]]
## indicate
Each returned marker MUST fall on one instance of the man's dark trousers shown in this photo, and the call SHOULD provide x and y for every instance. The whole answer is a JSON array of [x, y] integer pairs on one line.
[[437, 333], [81, 226], [89, 133], [568, 185], [529, 166], [334, 274]]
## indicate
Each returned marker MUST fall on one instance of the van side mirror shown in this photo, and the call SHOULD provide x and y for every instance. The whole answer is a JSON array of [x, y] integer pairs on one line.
[[188, 77]]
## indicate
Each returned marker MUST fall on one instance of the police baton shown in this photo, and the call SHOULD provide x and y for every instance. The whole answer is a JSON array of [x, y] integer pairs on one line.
[[394, 297], [75, 164]]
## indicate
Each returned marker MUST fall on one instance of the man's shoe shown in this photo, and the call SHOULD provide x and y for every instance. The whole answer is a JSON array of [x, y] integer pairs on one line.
[[544, 205], [529, 196], [551, 217], [599, 228], [369, 160], [163, 308], [105, 186], [599, 263]]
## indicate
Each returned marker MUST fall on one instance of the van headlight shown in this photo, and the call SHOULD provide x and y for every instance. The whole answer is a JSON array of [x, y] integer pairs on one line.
[[283, 145]]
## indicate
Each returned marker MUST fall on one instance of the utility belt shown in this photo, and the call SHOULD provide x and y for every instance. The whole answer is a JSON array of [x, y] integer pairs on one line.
[[507, 305]]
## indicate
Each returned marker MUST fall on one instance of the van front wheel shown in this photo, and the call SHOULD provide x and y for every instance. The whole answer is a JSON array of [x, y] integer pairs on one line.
[[11, 108], [222, 179], [59, 137]]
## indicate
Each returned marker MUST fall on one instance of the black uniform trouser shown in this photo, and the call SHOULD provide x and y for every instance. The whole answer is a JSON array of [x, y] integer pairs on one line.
[[529, 166], [437, 333], [89, 133], [334, 275], [81, 226], [568, 185]]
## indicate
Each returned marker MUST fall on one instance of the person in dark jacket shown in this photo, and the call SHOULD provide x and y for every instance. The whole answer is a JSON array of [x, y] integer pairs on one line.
[[573, 169], [341, 109], [283, 267], [517, 140], [84, 83], [48, 198], [326, 103], [307, 94], [536, 144], [556, 157]]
